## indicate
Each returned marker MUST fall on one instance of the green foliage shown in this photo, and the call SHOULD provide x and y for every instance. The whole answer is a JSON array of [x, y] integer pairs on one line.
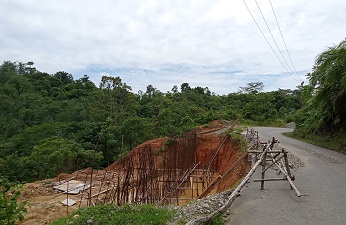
[[336, 142], [69, 120], [12, 209], [239, 138], [113, 215], [325, 96], [252, 87], [167, 143], [215, 221], [55, 155], [322, 120]]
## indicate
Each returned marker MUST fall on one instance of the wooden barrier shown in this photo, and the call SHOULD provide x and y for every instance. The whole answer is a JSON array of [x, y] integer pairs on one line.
[[277, 157]]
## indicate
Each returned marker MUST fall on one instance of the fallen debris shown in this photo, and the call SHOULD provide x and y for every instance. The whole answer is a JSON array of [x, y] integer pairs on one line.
[[72, 187], [69, 202]]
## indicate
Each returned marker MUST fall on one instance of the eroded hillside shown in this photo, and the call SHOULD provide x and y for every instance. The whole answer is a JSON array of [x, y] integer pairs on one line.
[[164, 171]]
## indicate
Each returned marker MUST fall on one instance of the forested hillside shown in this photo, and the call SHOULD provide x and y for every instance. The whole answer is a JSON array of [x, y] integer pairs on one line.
[[322, 120], [52, 123]]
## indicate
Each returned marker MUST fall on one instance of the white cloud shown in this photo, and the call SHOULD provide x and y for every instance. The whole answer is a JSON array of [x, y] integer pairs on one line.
[[187, 37]]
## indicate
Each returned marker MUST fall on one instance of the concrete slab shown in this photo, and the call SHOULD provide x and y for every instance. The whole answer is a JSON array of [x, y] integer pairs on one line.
[[72, 187], [69, 202]]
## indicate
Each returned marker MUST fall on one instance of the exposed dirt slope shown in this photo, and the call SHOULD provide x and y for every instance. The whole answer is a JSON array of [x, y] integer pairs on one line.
[[213, 150]]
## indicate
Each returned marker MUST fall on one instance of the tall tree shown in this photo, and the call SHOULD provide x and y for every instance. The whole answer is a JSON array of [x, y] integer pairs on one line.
[[328, 79], [252, 87]]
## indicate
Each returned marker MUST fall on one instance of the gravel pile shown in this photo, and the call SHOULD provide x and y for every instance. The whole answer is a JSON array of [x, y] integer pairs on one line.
[[200, 207], [294, 162], [291, 125], [324, 158]]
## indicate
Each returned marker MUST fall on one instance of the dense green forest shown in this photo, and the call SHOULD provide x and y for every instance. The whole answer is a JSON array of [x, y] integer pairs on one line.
[[52, 123], [322, 120]]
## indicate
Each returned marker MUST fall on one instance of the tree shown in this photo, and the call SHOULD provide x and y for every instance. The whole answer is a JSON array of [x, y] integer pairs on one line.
[[174, 89], [64, 77], [151, 91], [252, 87], [57, 155], [185, 87], [115, 100], [111, 83], [328, 80]]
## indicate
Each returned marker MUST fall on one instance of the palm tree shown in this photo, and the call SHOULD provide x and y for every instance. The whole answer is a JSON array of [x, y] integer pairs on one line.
[[329, 82]]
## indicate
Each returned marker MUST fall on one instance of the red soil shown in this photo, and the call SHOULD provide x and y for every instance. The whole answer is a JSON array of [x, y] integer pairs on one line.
[[45, 202]]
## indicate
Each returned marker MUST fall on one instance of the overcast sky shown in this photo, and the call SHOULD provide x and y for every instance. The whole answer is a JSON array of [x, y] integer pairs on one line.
[[207, 43]]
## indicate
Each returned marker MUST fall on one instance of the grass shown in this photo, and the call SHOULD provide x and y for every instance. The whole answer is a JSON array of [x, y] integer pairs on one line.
[[216, 221], [122, 215], [127, 214], [336, 143], [267, 123]]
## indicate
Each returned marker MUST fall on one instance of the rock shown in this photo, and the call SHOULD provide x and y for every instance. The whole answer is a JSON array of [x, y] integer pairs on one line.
[[90, 221], [291, 125], [201, 207]]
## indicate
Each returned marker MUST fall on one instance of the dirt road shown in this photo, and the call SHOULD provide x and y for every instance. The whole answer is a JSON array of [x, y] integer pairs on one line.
[[321, 181]]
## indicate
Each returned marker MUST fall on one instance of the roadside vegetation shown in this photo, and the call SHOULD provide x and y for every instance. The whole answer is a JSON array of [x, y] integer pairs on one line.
[[322, 119], [113, 215], [126, 214], [336, 143], [12, 208]]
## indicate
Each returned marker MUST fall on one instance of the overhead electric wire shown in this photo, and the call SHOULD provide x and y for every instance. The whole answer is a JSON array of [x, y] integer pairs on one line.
[[265, 21], [268, 41], [265, 37], [283, 39]]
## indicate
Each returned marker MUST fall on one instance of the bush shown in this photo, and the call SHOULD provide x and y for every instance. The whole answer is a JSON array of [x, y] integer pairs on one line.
[[113, 215], [11, 208]]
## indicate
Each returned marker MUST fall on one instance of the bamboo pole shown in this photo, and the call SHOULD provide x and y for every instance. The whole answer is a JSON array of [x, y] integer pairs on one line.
[[290, 181], [220, 178], [287, 172], [232, 197]]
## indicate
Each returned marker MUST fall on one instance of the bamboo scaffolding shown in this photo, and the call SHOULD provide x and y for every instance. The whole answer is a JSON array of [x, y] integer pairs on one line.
[[233, 196]]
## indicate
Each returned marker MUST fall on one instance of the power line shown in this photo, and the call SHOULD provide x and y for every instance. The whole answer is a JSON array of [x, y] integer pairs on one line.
[[265, 21], [289, 55], [267, 39]]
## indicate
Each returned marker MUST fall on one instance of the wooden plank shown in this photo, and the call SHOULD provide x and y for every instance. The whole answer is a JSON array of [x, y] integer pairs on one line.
[[287, 167], [219, 179], [291, 182], [273, 163], [270, 179], [210, 187], [216, 152], [186, 188], [100, 193], [275, 151], [263, 169]]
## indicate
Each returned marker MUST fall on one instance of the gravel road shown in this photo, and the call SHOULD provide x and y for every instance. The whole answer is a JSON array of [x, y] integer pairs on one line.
[[321, 180]]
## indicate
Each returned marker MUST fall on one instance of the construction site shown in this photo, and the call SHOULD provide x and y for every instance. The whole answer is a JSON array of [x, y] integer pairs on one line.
[[173, 171]]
